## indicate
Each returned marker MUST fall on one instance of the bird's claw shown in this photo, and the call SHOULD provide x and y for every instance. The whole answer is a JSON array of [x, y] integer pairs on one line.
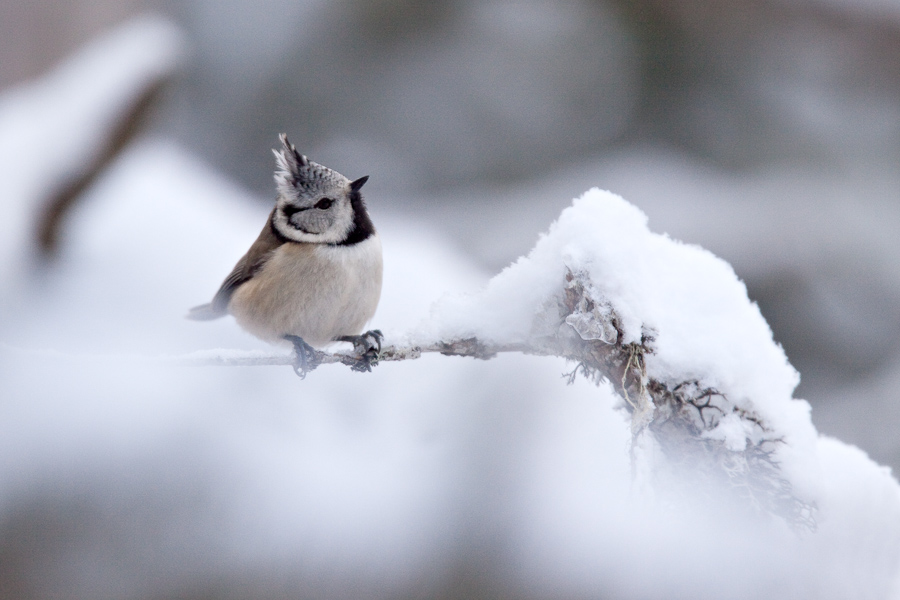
[[305, 358], [368, 347], [369, 341]]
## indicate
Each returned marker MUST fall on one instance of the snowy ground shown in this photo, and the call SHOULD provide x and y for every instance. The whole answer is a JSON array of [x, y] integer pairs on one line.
[[127, 477]]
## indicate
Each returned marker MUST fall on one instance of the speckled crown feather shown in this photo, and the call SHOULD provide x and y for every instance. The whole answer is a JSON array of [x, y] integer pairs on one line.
[[296, 174]]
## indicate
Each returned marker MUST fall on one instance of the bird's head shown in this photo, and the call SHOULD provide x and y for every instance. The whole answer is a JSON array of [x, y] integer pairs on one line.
[[315, 203]]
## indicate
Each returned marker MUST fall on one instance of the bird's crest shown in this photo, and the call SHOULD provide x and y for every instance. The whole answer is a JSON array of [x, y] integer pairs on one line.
[[296, 174]]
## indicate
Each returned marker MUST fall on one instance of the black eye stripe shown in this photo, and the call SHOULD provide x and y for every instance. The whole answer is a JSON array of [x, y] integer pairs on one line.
[[290, 210]]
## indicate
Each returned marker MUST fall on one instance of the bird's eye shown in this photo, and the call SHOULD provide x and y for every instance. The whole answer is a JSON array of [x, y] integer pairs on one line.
[[324, 203]]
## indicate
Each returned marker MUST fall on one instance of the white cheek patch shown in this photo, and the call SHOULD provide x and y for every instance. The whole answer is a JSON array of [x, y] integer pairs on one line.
[[306, 226], [305, 222]]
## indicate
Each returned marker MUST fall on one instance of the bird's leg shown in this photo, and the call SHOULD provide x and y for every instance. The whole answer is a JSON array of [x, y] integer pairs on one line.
[[367, 346], [305, 359]]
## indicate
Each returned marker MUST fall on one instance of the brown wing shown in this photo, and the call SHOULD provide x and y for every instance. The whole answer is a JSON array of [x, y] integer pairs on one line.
[[244, 270]]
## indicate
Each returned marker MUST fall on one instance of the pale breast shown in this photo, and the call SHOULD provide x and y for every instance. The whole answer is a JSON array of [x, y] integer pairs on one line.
[[314, 291]]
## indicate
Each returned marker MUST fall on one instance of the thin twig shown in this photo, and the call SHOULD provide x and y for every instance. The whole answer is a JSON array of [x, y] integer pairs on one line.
[[470, 347]]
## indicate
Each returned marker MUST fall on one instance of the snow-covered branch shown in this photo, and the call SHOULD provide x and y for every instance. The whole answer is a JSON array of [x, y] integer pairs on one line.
[[690, 421]]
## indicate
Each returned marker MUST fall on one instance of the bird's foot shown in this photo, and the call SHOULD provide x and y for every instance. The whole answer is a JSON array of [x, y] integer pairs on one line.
[[305, 356], [367, 346]]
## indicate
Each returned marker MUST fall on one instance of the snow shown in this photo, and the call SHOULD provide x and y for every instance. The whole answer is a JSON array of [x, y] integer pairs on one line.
[[134, 478], [704, 326]]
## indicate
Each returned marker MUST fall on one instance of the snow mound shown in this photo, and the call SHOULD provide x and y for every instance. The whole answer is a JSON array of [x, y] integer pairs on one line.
[[703, 343]]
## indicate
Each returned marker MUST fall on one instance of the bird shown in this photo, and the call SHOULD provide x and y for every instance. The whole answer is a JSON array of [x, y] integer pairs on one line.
[[314, 274]]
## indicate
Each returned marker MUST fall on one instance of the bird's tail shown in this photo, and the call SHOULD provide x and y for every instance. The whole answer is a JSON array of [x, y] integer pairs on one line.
[[205, 312]]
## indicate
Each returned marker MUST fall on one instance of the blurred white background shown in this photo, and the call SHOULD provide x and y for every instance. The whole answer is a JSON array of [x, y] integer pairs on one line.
[[767, 132]]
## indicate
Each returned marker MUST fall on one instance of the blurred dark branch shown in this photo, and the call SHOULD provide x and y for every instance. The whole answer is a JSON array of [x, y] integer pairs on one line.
[[132, 120]]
